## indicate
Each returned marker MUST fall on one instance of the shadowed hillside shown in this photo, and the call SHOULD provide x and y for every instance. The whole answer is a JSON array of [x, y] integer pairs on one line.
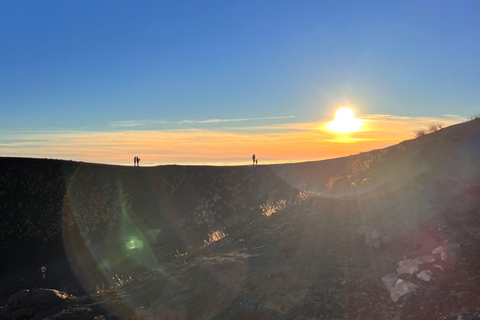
[[50, 204], [306, 241]]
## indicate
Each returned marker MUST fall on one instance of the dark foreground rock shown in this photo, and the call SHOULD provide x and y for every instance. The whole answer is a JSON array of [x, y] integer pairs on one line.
[[27, 304]]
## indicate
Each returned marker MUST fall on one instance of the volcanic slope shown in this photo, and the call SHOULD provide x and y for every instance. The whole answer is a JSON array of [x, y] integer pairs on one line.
[[297, 241]]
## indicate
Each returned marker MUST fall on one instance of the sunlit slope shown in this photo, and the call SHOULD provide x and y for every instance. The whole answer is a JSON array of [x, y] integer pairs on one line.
[[449, 157]]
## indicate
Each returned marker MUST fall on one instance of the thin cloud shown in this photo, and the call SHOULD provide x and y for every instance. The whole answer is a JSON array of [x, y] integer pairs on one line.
[[456, 117], [138, 123], [232, 120], [135, 123]]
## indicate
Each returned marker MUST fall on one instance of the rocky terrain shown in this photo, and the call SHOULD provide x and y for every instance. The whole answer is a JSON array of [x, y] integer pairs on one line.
[[387, 234]]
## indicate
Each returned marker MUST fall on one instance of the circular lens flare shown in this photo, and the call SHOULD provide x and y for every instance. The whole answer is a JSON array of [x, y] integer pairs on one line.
[[134, 244]]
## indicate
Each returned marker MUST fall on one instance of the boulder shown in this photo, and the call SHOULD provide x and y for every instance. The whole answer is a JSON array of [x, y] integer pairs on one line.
[[27, 303]]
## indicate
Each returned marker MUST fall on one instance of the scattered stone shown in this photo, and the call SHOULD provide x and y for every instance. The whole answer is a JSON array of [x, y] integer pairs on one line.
[[389, 280], [439, 250], [425, 275], [425, 259], [397, 286], [407, 266], [439, 267], [443, 255], [402, 287]]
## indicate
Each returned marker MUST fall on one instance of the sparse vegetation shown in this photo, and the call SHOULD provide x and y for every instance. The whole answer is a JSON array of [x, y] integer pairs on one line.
[[120, 281], [420, 133], [117, 281], [179, 255], [270, 208], [332, 180], [214, 237], [304, 195], [434, 126]]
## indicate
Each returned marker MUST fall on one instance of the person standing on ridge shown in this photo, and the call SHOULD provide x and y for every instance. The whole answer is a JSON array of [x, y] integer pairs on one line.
[[138, 162], [253, 158], [44, 272], [135, 161]]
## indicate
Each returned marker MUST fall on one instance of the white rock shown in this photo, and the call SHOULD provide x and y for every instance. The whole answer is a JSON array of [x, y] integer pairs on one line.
[[425, 275], [389, 280], [438, 250], [443, 255], [407, 266], [397, 287], [439, 267], [403, 287], [425, 259]]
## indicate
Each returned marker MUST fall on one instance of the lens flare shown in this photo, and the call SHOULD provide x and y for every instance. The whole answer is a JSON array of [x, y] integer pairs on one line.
[[134, 244]]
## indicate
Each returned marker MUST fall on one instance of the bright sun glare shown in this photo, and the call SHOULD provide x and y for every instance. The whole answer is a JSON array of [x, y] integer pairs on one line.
[[345, 122]]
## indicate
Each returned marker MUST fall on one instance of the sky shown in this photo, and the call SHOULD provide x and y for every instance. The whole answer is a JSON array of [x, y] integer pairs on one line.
[[212, 82]]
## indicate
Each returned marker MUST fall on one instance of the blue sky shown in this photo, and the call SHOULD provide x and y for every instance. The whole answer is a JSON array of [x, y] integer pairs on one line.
[[91, 65]]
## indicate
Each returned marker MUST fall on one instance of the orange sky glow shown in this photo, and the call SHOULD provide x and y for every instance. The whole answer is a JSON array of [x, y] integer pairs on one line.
[[292, 142]]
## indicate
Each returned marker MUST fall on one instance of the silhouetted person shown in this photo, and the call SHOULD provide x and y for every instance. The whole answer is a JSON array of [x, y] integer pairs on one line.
[[253, 159], [44, 272], [256, 161], [135, 161], [138, 162]]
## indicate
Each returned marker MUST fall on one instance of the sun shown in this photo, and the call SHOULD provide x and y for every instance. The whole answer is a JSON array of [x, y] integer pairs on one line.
[[345, 122]]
